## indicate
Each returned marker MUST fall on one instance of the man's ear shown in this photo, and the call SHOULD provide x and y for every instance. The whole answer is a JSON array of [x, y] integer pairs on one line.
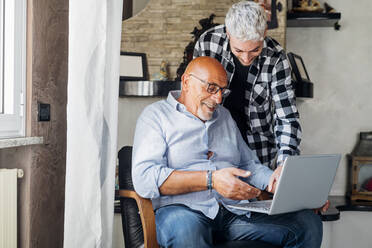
[[228, 34], [185, 82]]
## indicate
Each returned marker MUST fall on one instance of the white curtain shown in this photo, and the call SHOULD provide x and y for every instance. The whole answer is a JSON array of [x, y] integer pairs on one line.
[[93, 83]]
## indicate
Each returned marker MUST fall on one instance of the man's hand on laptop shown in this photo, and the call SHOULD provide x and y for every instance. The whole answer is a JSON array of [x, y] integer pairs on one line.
[[274, 179], [227, 183]]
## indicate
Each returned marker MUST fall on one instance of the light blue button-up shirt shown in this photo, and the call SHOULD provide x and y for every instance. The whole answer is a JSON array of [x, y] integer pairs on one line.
[[169, 138]]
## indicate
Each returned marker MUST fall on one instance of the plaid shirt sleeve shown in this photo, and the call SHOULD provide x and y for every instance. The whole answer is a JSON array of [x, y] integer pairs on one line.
[[198, 52], [287, 128]]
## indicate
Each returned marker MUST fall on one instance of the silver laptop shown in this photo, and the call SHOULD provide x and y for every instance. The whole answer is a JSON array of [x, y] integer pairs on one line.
[[305, 183]]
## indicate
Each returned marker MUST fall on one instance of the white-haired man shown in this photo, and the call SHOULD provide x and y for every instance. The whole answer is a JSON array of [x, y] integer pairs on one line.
[[262, 100]]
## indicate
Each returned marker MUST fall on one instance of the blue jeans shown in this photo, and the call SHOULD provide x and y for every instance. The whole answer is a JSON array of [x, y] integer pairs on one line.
[[179, 226]]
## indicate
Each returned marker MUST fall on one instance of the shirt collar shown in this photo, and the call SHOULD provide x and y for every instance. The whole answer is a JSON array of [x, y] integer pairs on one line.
[[172, 100]]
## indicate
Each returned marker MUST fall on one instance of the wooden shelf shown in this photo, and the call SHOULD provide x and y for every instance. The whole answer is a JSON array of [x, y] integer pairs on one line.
[[310, 19], [147, 88]]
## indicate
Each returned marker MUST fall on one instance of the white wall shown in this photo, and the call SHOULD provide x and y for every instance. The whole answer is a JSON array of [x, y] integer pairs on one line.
[[129, 110], [351, 230], [339, 64], [117, 234]]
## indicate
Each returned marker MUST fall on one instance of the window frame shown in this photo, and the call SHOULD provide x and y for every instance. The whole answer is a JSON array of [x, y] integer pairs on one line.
[[13, 28]]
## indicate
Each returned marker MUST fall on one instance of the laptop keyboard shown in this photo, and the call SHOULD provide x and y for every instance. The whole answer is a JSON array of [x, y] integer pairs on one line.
[[260, 206], [265, 205]]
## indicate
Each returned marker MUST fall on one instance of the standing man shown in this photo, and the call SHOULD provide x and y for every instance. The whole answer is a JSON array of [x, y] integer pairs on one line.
[[262, 100]]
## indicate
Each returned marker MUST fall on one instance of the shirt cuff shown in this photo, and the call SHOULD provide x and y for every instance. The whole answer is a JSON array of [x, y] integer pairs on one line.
[[163, 173], [266, 178], [261, 178]]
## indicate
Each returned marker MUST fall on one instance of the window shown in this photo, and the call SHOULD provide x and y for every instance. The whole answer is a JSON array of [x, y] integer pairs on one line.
[[12, 67]]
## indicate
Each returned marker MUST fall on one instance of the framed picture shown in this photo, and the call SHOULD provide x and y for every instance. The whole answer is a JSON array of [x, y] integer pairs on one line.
[[133, 66], [298, 68]]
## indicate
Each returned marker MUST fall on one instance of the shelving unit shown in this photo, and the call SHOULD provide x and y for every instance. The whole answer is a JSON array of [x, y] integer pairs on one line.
[[313, 19], [147, 88]]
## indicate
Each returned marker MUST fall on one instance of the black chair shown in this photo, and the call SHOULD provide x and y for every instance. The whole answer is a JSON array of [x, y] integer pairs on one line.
[[137, 214]]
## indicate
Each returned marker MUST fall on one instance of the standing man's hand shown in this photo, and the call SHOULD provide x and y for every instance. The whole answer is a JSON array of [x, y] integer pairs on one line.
[[274, 179], [324, 208], [227, 183]]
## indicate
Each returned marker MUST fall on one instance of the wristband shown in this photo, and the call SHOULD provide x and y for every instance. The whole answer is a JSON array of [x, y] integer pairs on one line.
[[209, 180]]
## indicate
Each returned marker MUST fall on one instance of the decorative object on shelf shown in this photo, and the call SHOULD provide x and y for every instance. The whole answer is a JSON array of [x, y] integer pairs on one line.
[[308, 6], [162, 75], [329, 8], [313, 19], [360, 172], [133, 66], [368, 185], [308, 13], [300, 77], [206, 24]]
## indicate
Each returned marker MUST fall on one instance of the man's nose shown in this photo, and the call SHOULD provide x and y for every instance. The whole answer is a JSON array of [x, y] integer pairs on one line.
[[217, 97], [245, 57]]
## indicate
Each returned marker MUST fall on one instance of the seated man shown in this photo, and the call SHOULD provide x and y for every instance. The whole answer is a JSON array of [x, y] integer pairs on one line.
[[190, 159]]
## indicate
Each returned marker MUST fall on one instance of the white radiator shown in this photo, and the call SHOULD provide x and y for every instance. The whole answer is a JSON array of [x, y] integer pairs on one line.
[[8, 207]]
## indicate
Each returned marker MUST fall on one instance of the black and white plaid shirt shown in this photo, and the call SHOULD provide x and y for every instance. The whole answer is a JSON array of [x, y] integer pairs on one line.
[[273, 124]]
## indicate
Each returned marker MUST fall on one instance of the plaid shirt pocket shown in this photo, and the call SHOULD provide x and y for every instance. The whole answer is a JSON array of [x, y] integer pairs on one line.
[[260, 120]]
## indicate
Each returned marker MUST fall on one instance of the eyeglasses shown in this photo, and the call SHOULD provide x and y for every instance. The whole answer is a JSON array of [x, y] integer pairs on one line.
[[213, 88]]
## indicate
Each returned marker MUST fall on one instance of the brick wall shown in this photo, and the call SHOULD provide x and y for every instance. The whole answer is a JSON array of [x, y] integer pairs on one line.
[[162, 29]]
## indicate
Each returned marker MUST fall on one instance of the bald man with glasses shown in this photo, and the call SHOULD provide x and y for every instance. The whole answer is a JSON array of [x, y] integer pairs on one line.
[[190, 159]]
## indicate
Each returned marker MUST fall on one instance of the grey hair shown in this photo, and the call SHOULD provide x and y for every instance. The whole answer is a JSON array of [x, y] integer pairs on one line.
[[246, 20]]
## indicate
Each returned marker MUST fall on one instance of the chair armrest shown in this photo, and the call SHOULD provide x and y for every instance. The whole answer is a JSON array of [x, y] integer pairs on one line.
[[147, 217]]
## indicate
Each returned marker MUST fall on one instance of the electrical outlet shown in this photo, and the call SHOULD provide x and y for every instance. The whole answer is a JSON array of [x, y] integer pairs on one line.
[[43, 111]]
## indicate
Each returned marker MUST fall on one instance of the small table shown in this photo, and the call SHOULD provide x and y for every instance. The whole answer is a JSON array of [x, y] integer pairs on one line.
[[341, 203]]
